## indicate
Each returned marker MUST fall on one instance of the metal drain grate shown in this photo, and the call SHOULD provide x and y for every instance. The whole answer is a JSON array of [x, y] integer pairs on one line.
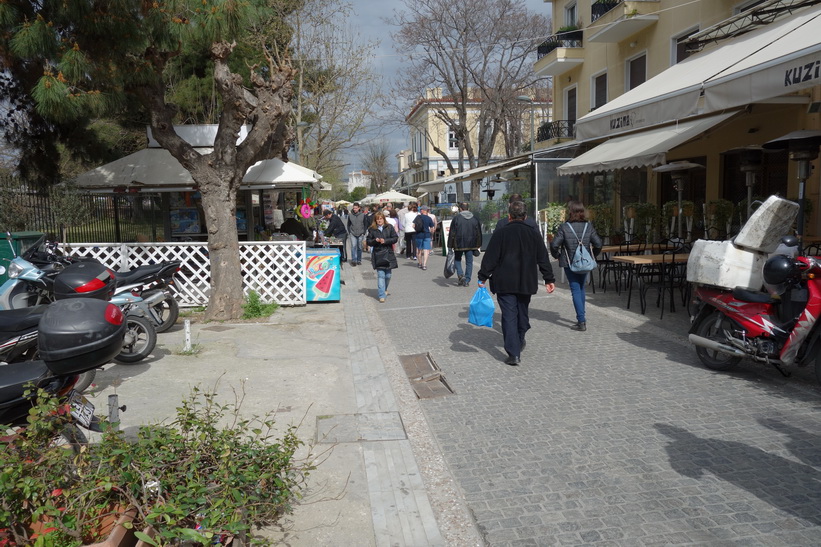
[[425, 376]]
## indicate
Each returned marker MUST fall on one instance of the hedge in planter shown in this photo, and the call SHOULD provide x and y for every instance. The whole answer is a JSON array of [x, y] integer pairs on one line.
[[209, 473]]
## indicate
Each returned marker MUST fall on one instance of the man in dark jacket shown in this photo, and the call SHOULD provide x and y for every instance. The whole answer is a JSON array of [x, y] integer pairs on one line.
[[510, 262], [336, 228], [504, 220], [464, 238], [356, 233]]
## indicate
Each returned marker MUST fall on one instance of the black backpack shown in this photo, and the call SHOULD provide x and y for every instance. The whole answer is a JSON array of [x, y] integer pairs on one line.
[[419, 225]]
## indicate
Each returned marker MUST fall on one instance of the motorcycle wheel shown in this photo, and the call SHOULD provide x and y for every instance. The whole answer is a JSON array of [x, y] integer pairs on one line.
[[140, 339], [168, 311], [72, 437], [713, 327], [85, 380]]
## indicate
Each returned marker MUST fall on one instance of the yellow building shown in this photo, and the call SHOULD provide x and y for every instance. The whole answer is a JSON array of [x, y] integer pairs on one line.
[[638, 84], [431, 137]]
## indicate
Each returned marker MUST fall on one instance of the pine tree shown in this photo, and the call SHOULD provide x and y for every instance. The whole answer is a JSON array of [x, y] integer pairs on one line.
[[91, 58]]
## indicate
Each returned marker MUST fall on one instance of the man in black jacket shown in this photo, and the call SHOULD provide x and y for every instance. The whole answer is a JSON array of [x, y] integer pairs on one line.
[[336, 228], [510, 262], [464, 238]]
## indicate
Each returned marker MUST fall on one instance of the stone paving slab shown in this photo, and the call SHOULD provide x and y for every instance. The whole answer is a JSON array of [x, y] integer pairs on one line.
[[615, 436]]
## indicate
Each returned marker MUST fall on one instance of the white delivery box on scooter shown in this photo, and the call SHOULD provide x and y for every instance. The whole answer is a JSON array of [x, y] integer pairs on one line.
[[738, 263]]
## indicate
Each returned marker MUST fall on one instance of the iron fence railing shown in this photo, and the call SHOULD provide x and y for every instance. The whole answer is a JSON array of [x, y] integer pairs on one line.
[[565, 39], [600, 7], [557, 129]]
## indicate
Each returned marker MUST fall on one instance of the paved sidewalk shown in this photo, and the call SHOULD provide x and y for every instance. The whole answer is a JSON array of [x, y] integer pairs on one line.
[[616, 436]]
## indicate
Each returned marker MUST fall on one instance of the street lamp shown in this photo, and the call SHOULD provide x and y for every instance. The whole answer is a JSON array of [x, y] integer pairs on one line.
[[526, 99], [300, 126]]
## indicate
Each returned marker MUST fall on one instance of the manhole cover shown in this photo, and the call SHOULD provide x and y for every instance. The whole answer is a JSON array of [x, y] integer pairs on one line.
[[425, 376]]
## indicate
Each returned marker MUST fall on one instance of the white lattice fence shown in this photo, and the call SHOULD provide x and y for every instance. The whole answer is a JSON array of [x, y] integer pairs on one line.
[[274, 269]]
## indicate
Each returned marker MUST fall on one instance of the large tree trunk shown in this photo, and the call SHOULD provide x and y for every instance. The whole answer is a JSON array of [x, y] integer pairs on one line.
[[219, 207]]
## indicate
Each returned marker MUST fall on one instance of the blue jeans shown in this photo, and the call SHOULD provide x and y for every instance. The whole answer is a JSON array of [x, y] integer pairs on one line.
[[383, 279], [576, 281], [457, 256], [356, 247]]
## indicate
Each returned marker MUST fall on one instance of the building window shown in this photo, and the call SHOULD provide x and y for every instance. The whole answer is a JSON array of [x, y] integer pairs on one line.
[[636, 71], [599, 94], [679, 50], [570, 109], [744, 6], [570, 14], [453, 140]]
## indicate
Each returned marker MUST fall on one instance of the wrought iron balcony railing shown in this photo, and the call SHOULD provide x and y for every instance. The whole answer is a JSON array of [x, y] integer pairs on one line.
[[557, 129], [600, 7], [565, 39]]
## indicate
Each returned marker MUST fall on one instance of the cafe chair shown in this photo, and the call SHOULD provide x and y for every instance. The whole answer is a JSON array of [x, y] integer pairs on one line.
[[813, 249]]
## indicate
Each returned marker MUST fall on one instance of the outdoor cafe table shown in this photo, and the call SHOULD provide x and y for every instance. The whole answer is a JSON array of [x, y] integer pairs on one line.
[[636, 261], [628, 247]]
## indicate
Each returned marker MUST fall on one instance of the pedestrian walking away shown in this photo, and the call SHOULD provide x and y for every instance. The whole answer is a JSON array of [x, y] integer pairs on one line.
[[424, 226], [381, 238], [336, 228], [465, 237], [510, 263], [356, 233], [410, 231], [502, 222], [576, 231]]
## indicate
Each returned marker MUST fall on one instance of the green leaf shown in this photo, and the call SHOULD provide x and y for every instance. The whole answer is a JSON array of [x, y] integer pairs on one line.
[[146, 538]]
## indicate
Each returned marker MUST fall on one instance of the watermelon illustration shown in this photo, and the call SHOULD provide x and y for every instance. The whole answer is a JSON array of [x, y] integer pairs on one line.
[[323, 286]]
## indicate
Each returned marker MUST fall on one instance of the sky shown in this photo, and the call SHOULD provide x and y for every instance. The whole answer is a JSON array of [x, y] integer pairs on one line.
[[367, 20]]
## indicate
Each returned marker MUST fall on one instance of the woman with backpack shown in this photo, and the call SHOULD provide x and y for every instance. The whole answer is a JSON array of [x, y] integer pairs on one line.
[[570, 235]]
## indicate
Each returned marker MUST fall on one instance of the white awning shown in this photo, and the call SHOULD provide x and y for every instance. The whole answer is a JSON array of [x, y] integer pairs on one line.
[[510, 164], [774, 60], [644, 148], [156, 170]]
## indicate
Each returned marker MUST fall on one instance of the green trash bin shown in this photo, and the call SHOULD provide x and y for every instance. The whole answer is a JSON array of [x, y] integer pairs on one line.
[[20, 241]]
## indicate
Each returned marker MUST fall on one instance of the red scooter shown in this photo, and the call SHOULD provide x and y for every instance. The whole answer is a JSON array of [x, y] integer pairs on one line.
[[782, 330]]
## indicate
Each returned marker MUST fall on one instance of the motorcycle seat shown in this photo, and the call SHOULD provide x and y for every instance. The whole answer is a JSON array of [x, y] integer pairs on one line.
[[14, 321], [138, 273], [758, 297], [15, 377]]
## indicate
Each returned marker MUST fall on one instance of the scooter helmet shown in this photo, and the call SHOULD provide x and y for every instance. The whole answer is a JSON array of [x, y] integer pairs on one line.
[[779, 272]]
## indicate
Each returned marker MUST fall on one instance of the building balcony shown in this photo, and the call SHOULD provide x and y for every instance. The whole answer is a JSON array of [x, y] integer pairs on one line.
[[557, 129], [559, 53], [619, 20]]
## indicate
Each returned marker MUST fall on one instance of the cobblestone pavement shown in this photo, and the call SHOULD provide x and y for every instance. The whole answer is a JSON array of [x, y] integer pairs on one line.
[[615, 436]]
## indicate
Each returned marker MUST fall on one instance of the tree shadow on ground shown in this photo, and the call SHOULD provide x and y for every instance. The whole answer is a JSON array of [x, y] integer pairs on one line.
[[792, 487]]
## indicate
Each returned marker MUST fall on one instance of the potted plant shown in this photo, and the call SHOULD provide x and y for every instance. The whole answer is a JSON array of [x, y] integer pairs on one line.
[[208, 476], [721, 216], [553, 215], [602, 216], [570, 33]]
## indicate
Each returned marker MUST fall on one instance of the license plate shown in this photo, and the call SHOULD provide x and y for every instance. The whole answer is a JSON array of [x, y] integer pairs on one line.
[[81, 409]]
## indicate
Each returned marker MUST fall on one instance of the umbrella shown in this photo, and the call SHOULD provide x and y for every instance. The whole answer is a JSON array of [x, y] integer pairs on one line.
[[342, 202], [391, 196]]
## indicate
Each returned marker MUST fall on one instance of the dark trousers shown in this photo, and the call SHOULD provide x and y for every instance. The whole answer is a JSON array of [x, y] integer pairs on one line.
[[515, 320], [410, 244]]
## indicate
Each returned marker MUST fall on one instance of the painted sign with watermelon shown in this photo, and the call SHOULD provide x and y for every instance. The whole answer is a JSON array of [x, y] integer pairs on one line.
[[322, 275]]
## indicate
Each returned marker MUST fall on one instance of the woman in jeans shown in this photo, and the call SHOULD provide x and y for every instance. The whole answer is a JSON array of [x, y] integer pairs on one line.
[[564, 246], [381, 238]]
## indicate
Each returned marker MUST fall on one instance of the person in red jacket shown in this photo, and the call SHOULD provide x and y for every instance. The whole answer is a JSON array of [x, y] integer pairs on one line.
[[510, 263]]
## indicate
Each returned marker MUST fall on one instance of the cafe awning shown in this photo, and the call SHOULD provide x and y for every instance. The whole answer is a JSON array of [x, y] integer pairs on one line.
[[768, 62], [640, 149], [510, 164]]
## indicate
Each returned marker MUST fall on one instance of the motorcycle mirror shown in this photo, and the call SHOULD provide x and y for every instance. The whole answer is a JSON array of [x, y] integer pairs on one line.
[[11, 245]]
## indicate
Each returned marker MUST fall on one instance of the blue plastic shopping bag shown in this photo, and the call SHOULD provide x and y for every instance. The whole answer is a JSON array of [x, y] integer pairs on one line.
[[481, 308]]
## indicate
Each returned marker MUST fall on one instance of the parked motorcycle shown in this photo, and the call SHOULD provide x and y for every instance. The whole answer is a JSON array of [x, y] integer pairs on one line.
[[74, 336], [154, 283], [782, 331]]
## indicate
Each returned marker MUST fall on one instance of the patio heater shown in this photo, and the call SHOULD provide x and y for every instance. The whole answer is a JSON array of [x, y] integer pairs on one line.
[[678, 172], [750, 165], [803, 148]]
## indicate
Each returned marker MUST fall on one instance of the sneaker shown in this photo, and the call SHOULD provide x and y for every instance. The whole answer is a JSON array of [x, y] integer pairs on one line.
[[461, 280], [382, 300], [424, 267]]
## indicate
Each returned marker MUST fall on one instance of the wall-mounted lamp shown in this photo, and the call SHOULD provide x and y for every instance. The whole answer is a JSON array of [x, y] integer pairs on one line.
[[634, 44]]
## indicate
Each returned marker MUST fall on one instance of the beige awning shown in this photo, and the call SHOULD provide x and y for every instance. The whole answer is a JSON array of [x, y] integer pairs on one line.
[[774, 60], [510, 164], [640, 149]]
